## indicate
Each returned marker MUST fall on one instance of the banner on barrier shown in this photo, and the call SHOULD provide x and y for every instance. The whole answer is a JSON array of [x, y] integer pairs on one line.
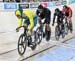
[[57, 3], [10, 6], [24, 5], [34, 5], [64, 2]]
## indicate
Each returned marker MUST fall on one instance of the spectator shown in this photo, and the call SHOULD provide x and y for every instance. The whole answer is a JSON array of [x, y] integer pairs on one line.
[[8, 1], [18, 1], [27, 0]]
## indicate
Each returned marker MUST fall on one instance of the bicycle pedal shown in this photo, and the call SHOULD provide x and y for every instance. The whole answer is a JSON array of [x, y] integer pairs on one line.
[[43, 35], [32, 44]]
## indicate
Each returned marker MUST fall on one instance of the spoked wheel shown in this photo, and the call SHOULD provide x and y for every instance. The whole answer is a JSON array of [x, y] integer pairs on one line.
[[66, 29], [63, 33], [57, 32], [22, 44], [50, 32]]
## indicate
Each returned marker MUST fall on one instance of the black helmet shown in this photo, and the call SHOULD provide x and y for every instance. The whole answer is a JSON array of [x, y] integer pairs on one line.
[[65, 6], [57, 10], [40, 7]]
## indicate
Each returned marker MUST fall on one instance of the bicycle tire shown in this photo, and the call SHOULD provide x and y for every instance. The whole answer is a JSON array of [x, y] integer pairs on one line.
[[63, 34], [70, 27], [66, 29], [48, 35], [22, 44], [57, 33], [40, 38]]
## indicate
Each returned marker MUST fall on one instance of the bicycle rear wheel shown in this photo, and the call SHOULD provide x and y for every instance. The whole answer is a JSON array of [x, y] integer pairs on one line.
[[57, 32], [66, 29], [70, 27], [40, 35], [22, 44], [63, 33]]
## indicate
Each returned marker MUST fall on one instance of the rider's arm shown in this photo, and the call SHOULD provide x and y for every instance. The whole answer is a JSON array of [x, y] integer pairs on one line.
[[62, 16], [54, 18], [70, 12], [37, 12], [31, 25], [20, 22], [63, 11]]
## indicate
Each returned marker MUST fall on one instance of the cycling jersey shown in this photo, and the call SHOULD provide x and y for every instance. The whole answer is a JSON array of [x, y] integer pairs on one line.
[[68, 12], [46, 13], [29, 20], [60, 17]]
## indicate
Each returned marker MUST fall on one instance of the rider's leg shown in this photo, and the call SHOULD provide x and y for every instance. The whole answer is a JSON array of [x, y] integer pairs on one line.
[[47, 31], [62, 27], [36, 25], [40, 22], [66, 19], [58, 25], [70, 24], [37, 22], [47, 28]]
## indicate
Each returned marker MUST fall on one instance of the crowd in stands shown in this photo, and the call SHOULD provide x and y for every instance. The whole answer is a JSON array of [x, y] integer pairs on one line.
[[28, 0]]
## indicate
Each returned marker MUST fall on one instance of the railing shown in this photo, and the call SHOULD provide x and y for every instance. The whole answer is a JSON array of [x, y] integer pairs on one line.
[[28, 0], [26, 5], [31, 5]]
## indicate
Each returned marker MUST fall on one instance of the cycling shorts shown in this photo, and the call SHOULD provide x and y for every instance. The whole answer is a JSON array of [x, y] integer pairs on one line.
[[47, 20]]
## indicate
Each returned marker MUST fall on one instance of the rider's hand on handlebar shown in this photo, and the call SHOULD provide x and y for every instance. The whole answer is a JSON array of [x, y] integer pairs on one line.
[[52, 24], [29, 33], [17, 29]]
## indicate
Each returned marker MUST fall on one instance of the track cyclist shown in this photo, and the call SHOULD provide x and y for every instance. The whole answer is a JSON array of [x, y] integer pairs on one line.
[[68, 14], [44, 13], [60, 17], [29, 17]]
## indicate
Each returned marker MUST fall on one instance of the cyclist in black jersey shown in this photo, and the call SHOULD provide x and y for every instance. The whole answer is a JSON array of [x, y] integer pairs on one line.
[[44, 13], [60, 17]]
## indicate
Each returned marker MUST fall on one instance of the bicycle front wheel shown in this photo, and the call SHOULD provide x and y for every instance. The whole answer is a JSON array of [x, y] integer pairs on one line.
[[66, 29], [22, 44], [57, 32], [40, 37]]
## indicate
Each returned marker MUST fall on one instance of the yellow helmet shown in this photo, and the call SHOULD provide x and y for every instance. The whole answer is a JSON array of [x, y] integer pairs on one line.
[[17, 12]]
